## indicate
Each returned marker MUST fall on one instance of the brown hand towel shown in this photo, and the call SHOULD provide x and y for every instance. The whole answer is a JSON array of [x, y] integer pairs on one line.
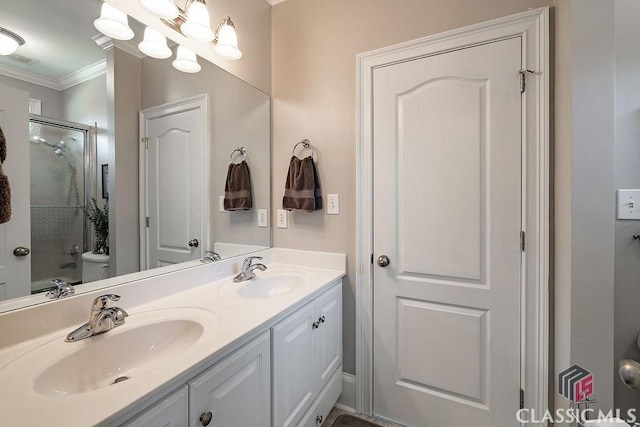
[[5, 190], [302, 190], [237, 190]]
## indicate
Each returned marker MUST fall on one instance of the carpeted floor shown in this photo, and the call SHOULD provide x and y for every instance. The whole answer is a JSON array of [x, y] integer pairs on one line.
[[351, 421], [340, 418]]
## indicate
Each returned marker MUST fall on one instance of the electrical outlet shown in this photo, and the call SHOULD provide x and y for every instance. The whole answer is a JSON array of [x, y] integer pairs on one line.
[[263, 219], [282, 218], [333, 204], [221, 207]]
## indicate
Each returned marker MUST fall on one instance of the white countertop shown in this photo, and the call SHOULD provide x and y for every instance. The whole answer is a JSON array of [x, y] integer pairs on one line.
[[233, 320]]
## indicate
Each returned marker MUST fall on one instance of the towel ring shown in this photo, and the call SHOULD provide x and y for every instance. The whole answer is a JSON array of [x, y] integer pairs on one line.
[[241, 150], [306, 145]]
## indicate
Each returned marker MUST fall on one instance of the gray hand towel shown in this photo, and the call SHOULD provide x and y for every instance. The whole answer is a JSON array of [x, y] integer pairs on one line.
[[5, 190], [302, 190], [237, 189]]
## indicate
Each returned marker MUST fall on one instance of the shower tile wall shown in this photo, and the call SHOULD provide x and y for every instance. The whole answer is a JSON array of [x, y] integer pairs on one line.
[[57, 193]]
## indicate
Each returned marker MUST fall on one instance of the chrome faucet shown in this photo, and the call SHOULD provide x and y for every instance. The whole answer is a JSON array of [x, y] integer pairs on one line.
[[210, 256], [247, 271], [62, 289], [102, 319]]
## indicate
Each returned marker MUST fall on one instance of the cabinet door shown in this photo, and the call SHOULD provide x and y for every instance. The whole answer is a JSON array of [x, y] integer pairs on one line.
[[328, 335], [294, 381], [236, 391], [171, 411]]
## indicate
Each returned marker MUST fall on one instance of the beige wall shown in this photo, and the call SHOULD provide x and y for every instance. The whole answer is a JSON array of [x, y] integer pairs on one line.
[[51, 98], [314, 94]]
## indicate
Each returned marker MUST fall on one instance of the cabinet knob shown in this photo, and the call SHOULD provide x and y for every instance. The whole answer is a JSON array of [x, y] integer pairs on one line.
[[321, 319], [319, 419], [314, 325], [205, 418]]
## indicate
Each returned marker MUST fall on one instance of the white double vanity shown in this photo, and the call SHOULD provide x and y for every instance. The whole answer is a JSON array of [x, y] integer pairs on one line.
[[196, 349]]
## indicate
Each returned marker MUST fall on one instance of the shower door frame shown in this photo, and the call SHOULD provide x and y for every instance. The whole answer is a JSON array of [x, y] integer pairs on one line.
[[89, 163]]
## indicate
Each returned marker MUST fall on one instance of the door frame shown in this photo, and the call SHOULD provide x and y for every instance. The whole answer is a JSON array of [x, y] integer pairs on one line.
[[533, 27], [198, 102]]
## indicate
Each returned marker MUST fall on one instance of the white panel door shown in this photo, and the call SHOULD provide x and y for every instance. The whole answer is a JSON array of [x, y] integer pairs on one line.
[[175, 186], [447, 213], [236, 391], [15, 271]]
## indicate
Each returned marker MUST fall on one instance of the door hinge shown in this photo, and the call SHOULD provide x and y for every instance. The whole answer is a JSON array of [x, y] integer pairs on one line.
[[522, 240], [146, 142], [147, 222], [521, 399], [371, 258], [523, 79]]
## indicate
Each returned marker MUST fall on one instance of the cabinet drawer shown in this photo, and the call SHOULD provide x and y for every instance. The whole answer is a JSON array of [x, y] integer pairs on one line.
[[169, 412]]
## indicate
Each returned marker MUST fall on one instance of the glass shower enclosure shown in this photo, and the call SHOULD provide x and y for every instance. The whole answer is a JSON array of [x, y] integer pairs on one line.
[[62, 165]]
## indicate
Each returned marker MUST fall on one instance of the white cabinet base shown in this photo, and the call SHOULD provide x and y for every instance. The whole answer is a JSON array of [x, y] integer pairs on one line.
[[328, 398]]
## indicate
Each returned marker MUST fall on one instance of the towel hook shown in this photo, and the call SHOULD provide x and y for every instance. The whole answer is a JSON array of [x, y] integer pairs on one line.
[[241, 150], [306, 144]]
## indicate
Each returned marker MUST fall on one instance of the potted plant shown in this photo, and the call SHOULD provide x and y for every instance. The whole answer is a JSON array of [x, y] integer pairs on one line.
[[100, 220]]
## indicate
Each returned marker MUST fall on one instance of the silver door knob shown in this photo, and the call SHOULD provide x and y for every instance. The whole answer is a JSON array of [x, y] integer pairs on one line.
[[205, 418], [193, 243], [21, 251], [383, 261]]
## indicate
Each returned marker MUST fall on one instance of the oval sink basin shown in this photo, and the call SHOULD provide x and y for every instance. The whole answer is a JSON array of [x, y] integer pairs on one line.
[[145, 342], [271, 286], [114, 356]]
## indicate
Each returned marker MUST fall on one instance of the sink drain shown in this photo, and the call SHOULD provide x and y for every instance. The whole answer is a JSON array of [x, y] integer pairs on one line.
[[120, 379]]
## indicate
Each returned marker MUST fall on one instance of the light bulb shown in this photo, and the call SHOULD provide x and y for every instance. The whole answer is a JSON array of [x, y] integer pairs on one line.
[[227, 45], [113, 23], [154, 44], [198, 24], [186, 61]]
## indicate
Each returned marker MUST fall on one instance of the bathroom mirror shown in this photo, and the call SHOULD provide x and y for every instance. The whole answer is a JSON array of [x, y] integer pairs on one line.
[[70, 76]]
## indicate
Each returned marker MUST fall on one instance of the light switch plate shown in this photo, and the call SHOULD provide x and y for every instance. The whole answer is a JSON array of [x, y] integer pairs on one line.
[[282, 218], [333, 204], [221, 204], [263, 218], [628, 204]]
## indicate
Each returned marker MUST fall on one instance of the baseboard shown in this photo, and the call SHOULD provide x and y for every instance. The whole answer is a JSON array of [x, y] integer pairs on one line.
[[347, 400]]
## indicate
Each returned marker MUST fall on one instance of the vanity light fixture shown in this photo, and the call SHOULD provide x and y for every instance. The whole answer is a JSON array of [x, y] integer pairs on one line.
[[186, 61], [113, 23], [195, 23], [165, 9], [198, 23], [9, 41], [227, 40], [154, 44]]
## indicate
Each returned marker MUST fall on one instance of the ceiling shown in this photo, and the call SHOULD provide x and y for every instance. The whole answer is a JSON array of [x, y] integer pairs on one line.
[[57, 33]]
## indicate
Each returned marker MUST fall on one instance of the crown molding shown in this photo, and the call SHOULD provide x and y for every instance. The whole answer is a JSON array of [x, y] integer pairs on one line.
[[107, 43], [275, 2], [83, 75], [75, 78]]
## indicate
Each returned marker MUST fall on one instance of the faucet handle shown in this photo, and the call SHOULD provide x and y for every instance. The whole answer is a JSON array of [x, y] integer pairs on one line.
[[249, 259], [102, 301], [62, 290]]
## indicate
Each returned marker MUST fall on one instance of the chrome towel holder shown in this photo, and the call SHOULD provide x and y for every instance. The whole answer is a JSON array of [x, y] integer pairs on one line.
[[306, 145], [241, 150]]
